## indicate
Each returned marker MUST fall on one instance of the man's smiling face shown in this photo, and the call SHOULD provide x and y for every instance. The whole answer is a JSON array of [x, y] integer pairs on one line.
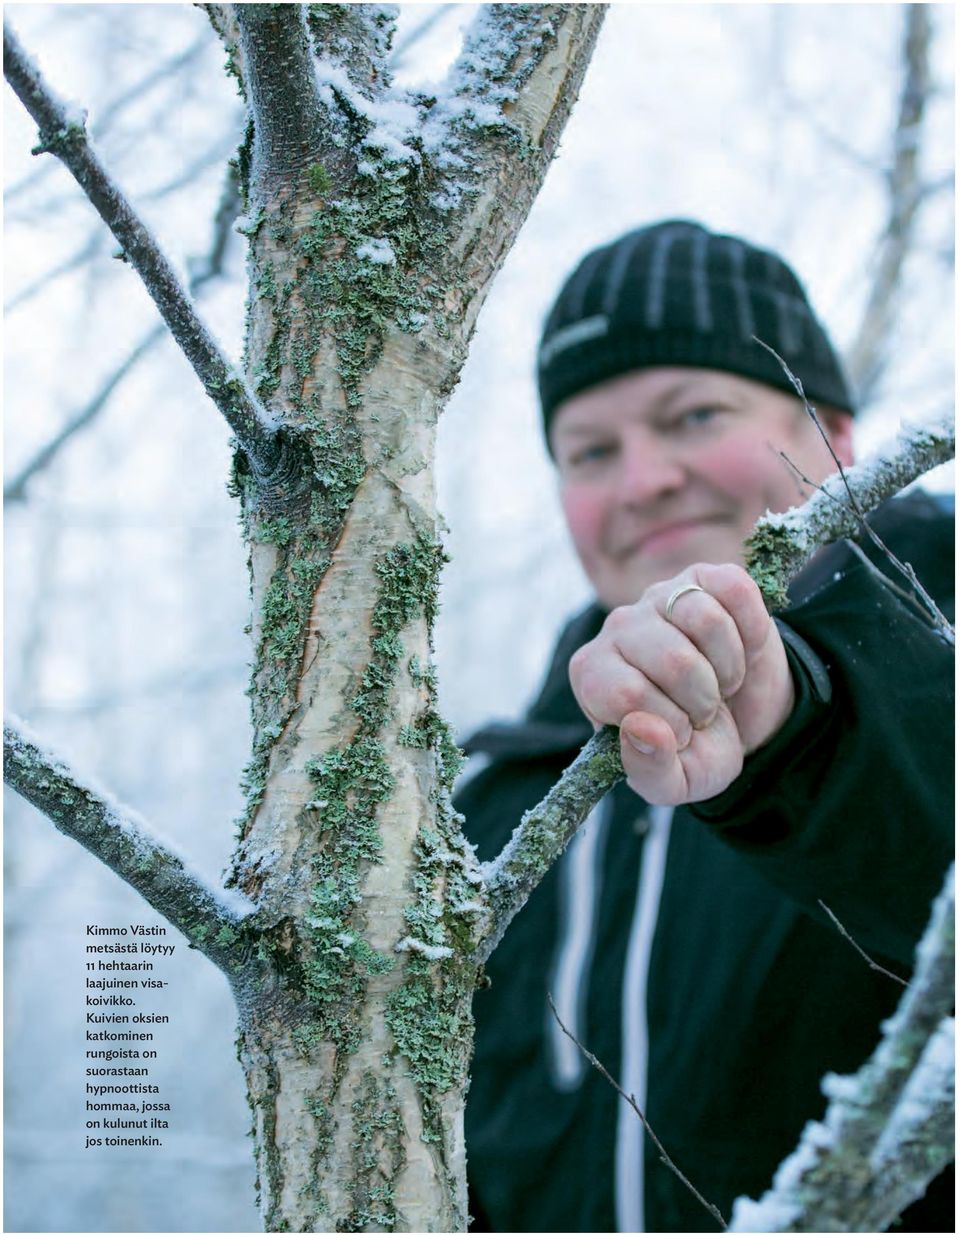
[[665, 467]]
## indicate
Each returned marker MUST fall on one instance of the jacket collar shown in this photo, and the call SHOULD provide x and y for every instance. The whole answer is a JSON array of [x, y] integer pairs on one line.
[[554, 723]]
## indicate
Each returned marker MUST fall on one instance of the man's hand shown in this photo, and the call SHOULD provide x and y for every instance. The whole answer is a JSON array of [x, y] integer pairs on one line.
[[691, 695]]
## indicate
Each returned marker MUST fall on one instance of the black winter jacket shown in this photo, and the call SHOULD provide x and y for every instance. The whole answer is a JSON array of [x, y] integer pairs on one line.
[[751, 995]]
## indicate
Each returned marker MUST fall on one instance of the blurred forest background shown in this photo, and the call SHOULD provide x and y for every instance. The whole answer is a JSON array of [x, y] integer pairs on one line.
[[821, 130]]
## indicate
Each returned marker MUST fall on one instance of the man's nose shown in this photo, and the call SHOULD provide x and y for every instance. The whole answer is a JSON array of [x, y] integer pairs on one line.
[[649, 470]]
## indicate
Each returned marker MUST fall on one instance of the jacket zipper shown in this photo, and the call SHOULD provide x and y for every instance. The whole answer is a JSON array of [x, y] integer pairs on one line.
[[628, 1176]]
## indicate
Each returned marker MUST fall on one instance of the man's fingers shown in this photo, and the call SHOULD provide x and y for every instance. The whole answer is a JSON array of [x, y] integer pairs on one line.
[[649, 735], [649, 753], [607, 689], [672, 662], [740, 597], [704, 621]]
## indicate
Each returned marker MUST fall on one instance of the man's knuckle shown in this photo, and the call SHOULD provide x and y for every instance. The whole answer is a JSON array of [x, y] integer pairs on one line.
[[621, 619], [679, 663]]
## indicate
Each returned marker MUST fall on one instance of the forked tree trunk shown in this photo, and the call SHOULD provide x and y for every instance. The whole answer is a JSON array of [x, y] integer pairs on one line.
[[374, 233]]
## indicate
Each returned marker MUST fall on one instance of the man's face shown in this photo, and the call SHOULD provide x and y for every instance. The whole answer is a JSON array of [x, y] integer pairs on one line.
[[665, 467]]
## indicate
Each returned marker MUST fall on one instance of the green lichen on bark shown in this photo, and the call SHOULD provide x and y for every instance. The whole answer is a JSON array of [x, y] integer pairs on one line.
[[377, 1155], [350, 783], [772, 558], [429, 1013]]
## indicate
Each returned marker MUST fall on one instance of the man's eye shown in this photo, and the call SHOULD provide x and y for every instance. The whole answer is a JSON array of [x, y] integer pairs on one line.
[[597, 452], [697, 416]]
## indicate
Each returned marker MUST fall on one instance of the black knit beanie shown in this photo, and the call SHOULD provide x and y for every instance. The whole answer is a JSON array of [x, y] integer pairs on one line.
[[677, 294]]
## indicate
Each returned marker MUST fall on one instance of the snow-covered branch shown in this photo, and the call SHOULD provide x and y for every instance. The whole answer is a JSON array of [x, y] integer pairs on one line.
[[209, 917], [511, 89], [63, 133], [888, 1130], [778, 548], [781, 544]]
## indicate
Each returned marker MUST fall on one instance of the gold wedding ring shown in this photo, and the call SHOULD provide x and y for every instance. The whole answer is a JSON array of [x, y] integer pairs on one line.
[[675, 596]]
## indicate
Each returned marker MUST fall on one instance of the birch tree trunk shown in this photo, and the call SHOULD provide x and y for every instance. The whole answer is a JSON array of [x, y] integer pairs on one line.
[[376, 224]]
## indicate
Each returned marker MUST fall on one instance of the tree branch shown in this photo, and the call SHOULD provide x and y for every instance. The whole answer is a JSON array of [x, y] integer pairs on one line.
[[360, 36], [515, 81], [15, 490], [209, 918], [62, 132], [888, 1130], [281, 89], [133, 94], [866, 356], [856, 947], [212, 267], [777, 549], [781, 544], [86, 253]]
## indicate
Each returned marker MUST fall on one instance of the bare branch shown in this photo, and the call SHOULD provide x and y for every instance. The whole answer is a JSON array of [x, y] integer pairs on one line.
[[850, 939], [115, 834], [281, 89], [777, 549], [63, 133], [854, 505], [544, 832], [632, 1102], [867, 356], [228, 209], [889, 1129]]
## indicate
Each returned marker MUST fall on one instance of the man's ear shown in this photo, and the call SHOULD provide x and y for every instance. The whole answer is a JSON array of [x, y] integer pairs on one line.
[[838, 426]]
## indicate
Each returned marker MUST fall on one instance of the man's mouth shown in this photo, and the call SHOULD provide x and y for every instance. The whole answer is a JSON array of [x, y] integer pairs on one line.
[[664, 537]]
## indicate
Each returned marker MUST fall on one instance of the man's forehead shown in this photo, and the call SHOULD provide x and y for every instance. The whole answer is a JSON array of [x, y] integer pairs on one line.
[[646, 390]]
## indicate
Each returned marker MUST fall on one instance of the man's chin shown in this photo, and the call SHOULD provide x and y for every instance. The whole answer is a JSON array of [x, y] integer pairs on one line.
[[624, 582]]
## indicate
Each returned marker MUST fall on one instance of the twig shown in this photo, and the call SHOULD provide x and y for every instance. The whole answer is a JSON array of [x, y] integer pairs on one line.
[[133, 94], [15, 490], [543, 832], [63, 133], [850, 939], [86, 253], [632, 1102], [115, 834]]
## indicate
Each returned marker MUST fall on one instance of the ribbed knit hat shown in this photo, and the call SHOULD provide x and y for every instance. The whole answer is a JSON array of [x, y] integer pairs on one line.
[[677, 294]]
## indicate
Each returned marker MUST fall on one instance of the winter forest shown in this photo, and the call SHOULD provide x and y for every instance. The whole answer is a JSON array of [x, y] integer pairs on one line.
[[825, 131]]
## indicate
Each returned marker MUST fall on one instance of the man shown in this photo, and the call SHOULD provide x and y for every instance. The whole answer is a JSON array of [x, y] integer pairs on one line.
[[770, 764]]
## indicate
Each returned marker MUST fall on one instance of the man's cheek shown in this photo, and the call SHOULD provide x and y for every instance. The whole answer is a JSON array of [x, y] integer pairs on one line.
[[584, 513], [746, 472]]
